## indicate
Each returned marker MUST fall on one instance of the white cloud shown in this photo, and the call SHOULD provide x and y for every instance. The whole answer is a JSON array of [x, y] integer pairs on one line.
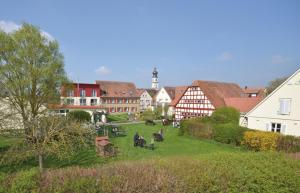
[[278, 59], [9, 27], [225, 56], [102, 70]]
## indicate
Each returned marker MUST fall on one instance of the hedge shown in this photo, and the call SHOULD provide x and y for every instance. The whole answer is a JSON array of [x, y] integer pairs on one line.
[[228, 133], [79, 115]]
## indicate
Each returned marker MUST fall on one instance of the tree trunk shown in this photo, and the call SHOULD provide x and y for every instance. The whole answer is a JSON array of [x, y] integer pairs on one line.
[[41, 162]]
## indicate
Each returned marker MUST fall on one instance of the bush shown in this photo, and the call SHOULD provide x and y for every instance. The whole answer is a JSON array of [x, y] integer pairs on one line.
[[288, 143], [260, 141], [147, 115], [149, 122], [225, 115], [80, 116], [196, 127], [228, 133]]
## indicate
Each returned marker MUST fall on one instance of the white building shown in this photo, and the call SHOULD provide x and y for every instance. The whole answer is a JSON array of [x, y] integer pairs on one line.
[[146, 98], [279, 111]]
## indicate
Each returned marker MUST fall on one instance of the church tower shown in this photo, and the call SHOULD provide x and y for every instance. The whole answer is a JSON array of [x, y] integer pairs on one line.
[[155, 79]]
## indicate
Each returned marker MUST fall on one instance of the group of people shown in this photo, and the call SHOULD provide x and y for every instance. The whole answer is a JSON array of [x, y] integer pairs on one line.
[[140, 141]]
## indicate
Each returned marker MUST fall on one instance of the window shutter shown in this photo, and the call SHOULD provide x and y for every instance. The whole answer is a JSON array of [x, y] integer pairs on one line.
[[267, 126], [283, 129]]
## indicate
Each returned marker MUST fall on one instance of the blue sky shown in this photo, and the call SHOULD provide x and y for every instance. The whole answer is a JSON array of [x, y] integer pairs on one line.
[[247, 42]]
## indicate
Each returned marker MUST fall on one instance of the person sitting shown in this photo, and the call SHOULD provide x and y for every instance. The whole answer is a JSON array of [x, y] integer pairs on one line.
[[151, 145], [136, 139], [161, 133], [142, 141]]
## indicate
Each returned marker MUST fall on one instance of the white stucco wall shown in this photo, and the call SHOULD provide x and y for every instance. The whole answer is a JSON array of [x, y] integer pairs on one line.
[[163, 97], [145, 101], [267, 112]]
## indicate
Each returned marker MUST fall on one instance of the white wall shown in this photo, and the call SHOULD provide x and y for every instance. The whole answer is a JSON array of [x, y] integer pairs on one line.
[[162, 97], [145, 101], [267, 112]]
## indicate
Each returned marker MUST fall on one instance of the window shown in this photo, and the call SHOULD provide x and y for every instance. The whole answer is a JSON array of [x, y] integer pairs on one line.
[[94, 93], [70, 101], [112, 101], [82, 93], [70, 93], [285, 106], [112, 110], [276, 127], [119, 109], [82, 102], [120, 101], [93, 102], [126, 101]]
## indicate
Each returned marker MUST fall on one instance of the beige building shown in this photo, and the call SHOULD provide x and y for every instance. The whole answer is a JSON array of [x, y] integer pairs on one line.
[[119, 97], [279, 111]]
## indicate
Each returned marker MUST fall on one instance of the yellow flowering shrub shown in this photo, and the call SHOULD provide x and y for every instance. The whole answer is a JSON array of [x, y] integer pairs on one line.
[[260, 141]]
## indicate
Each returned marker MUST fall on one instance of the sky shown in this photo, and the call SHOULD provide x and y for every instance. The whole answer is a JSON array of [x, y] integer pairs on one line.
[[249, 42]]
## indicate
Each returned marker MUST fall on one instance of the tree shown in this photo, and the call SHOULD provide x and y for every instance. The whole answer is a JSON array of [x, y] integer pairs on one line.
[[31, 74], [225, 115], [274, 84], [50, 136]]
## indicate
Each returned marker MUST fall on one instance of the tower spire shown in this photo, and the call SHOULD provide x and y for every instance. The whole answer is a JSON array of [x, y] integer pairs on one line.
[[155, 79]]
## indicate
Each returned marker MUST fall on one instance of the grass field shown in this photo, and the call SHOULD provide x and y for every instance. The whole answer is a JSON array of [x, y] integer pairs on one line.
[[178, 164], [173, 145]]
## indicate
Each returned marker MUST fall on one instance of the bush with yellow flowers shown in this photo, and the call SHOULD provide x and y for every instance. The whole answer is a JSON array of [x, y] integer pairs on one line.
[[260, 141]]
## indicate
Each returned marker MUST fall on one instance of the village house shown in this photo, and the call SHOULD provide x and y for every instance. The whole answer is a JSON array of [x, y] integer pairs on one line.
[[202, 98], [166, 95], [147, 97], [79, 96], [279, 111], [119, 97]]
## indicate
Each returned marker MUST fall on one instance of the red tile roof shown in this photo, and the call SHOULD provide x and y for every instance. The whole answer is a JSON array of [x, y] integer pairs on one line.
[[244, 104], [259, 91], [217, 91], [117, 89], [179, 91]]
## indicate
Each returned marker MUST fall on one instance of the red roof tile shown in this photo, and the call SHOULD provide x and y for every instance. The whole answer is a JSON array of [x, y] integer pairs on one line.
[[217, 91], [117, 89], [244, 104]]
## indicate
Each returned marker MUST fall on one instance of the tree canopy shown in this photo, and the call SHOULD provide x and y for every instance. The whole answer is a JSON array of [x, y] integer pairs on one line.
[[274, 84], [31, 71], [32, 74]]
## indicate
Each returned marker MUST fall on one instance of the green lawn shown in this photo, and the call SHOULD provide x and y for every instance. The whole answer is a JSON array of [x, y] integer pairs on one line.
[[190, 164], [117, 117], [173, 145]]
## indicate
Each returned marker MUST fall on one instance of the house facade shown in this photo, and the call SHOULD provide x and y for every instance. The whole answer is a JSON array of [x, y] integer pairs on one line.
[[202, 98], [146, 98], [119, 97], [79, 96], [279, 111]]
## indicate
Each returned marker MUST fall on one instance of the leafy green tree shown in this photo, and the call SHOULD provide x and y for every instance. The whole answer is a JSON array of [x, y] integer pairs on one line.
[[274, 84], [225, 115], [31, 74]]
